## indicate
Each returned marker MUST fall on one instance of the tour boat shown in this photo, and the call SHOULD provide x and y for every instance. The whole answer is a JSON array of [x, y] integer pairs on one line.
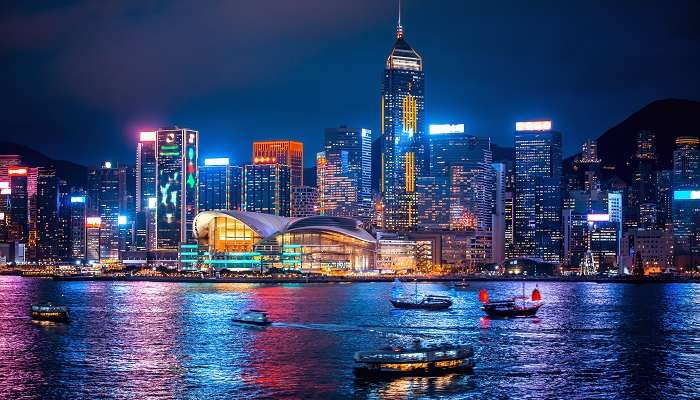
[[415, 361], [49, 312], [517, 307], [420, 301], [253, 317]]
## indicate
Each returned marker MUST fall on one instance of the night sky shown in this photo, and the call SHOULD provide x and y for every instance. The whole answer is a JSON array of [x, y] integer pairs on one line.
[[81, 78]]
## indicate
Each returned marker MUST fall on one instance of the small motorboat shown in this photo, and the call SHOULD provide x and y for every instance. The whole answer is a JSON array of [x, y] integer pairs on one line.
[[253, 317], [417, 360], [517, 307], [49, 312], [418, 301]]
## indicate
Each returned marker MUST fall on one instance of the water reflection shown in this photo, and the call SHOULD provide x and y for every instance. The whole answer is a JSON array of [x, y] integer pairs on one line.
[[160, 340]]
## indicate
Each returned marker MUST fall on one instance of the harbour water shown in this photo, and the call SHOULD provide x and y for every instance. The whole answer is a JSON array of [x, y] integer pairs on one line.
[[176, 340]]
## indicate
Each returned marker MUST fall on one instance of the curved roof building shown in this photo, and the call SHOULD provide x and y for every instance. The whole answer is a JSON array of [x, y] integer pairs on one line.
[[242, 240]]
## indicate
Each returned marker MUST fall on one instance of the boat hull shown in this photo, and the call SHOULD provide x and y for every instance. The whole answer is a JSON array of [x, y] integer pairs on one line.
[[253, 323], [431, 370], [421, 306], [516, 312], [50, 316]]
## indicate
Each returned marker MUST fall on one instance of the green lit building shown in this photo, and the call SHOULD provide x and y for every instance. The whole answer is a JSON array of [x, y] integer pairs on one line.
[[176, 183]]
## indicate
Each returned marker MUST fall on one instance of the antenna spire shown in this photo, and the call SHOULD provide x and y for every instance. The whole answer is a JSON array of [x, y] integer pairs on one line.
[[399, 28]]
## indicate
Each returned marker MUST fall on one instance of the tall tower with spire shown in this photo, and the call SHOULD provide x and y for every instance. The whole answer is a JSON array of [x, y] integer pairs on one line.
[[404, 140]]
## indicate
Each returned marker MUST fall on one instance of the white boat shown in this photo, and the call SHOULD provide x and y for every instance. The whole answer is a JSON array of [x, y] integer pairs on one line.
[[253, 317]]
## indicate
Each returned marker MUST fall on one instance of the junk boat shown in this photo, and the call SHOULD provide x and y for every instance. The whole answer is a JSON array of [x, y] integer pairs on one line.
[[415, 361], [253, 317], [423, 302], [49, 312], [517, 307]]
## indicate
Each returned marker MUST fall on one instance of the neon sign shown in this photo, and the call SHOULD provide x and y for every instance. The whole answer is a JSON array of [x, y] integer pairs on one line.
[[686, 195], [437, 129], [216, 161], [525, 126]]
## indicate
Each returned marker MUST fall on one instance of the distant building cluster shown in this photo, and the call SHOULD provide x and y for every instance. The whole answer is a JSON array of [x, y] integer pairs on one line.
[[426, 199]]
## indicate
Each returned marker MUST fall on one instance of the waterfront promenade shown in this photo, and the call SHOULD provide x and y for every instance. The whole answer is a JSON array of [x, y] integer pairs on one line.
[[300, 278]]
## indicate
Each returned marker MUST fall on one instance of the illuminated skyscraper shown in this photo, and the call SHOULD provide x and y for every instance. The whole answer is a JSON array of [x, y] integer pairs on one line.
[[7, 161], [499, 219], [92, 238], [47, 221], [643, 188], [145, 169], [108, 211], [449, 145], [266, 189], [176, 182], [286, 152], [405, 150], [664, 197], [686, 201], [18, 221], [219, 185], [78, 215], [538, 199], [346, 173]]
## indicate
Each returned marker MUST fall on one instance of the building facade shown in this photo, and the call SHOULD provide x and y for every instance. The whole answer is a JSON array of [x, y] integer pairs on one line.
[[538, 198], [285, 152], [304, 201], [176, 182], [266, 189], [344, 174], [220, 185]]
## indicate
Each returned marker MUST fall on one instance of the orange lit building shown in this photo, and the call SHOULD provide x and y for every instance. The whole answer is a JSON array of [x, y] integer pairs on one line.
[[282, 152]]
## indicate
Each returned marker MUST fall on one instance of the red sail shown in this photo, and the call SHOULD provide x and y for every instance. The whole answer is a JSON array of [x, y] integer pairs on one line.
[[536, 296], [483, 296]]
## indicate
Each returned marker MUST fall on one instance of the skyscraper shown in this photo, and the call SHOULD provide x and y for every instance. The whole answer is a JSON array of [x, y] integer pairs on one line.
[[686, 201], [499, 219], [286, 152], [449, 145], [266, 188], [538, 199], [145, 169], [219, 185], [405, 150], [18, 221], [78, 215], [346, 173], [176, 182], [7, 161], [47, 222], [108, 211], [643, 190]]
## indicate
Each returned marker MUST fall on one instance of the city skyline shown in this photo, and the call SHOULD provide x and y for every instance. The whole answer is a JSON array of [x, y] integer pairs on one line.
[[450, 79]]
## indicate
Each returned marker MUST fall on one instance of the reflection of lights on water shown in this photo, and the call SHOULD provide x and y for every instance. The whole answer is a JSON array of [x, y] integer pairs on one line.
[[485, 322]]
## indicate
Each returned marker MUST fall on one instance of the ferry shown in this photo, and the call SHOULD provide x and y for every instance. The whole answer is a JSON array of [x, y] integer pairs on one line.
[[418, 360], [253, 317], [517, 307], [49, 312]]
